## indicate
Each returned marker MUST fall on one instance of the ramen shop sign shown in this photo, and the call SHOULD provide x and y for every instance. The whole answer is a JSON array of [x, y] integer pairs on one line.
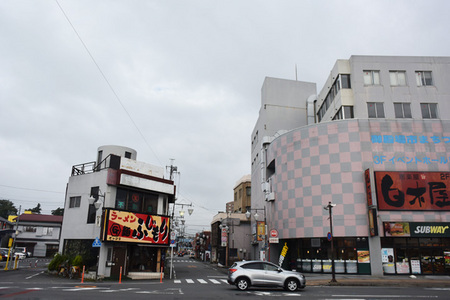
[[125, 226]]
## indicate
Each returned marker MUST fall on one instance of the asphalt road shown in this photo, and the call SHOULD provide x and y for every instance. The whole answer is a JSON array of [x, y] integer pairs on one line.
[[192, 280]]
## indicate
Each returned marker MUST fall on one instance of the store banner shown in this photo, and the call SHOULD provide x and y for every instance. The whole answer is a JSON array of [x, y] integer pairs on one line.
[[416, 229], [413, 190], [261, 230], [126, 226]]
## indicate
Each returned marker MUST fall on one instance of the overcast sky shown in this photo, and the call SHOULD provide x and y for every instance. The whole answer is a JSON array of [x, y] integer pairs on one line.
[[173, 80]]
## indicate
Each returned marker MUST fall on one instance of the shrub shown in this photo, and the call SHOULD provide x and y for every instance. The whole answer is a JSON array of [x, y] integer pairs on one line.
[[57, 260], [77, 261]]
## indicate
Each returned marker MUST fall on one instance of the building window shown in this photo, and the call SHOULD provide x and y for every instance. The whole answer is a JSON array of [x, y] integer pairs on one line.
[[398, 78], [248, 191], [29, 229], [345, 112], [375, 109], [429, 110], [371, 77], [402, 110], [136, 201], [345, 81], [47, 231], [127, 154], [91, 214], [424, 78], [74, 202]]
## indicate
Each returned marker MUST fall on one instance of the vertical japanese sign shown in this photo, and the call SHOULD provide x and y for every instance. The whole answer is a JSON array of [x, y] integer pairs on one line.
[[260, 230], [125, 226], [413, 190], [372, 213]]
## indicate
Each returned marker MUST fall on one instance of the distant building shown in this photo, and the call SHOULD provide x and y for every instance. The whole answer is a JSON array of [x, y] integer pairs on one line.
[[242, 195], [116, 214], [230, 206], [6, 231], [375, 142], [40, 234]]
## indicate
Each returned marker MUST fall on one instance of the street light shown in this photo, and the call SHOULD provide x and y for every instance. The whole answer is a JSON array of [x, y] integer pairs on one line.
[[93, 199], [329, 207], [248, 215]]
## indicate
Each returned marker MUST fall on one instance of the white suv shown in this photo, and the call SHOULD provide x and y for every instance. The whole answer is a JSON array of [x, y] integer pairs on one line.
[[244, 274]]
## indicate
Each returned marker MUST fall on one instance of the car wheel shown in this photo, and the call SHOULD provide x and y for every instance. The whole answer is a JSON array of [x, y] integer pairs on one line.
[[242, 284], [291, 285]]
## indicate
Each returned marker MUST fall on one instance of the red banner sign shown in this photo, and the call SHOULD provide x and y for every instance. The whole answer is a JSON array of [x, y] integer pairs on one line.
[[413, 190], [125, 226]]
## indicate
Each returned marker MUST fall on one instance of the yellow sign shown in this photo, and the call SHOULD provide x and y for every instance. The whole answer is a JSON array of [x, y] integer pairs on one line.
[[260, 230]]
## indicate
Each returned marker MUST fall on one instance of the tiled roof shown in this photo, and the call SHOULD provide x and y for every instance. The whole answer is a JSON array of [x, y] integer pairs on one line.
[[40, 218]]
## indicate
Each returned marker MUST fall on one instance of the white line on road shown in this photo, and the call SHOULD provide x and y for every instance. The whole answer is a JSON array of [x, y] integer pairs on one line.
[[34, 275], [214, 281], [202, 281], [190, 281], [384, 296]]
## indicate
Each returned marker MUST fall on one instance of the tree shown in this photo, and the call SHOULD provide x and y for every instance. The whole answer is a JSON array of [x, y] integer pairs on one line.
[[36, 210], [58, 212], [7, 208]]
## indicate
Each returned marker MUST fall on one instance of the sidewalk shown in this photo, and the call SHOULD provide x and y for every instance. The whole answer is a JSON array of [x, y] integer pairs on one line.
[[368, 280], [316, 279]]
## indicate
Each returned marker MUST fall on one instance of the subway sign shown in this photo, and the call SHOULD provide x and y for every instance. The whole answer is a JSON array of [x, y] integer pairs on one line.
[[416, 229]]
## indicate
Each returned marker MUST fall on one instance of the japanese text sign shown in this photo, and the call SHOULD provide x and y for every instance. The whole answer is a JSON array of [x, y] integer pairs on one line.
[[413, 190], [125, 226]]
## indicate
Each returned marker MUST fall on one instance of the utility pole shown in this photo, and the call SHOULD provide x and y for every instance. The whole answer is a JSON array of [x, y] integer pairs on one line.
[[329, 207]]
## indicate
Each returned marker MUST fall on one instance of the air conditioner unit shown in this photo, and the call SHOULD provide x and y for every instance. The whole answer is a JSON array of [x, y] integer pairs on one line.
[[270, 196]]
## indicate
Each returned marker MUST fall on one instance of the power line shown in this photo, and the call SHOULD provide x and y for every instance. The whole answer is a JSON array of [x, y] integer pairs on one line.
[[107, 81], [30, 189]]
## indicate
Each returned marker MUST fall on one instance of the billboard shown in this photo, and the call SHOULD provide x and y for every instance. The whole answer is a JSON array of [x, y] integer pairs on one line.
[[131, 227], [412, 190]]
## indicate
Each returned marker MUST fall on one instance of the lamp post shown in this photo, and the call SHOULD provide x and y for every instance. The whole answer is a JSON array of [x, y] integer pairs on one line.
[[248, 215], [329, 207]]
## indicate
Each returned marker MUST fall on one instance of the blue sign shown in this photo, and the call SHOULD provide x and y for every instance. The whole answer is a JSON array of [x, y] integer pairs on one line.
[[329, 237], [97, 243]]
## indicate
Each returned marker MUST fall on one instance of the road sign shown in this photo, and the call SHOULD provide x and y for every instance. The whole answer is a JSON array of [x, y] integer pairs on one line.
[[329, 237], [97, 243], [274, 233]]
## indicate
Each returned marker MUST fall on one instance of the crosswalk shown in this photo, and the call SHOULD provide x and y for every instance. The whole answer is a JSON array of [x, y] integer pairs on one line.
[[201, 281]]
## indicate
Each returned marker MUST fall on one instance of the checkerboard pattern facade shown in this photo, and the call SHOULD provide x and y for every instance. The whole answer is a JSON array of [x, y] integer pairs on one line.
[[325, 162]]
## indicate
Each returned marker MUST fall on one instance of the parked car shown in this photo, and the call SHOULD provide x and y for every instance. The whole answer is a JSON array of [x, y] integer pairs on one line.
[[244, 274], [22, 252], [3, 254]]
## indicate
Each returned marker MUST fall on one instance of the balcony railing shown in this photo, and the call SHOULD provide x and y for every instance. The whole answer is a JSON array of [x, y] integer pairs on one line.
[[90, 167]]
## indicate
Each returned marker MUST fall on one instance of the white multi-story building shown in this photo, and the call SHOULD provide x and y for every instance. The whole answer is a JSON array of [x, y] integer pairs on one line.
[[374, 142], [116, 209]]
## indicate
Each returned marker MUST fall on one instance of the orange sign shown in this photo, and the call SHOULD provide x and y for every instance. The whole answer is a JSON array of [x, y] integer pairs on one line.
[[413, 190], [125, 226]]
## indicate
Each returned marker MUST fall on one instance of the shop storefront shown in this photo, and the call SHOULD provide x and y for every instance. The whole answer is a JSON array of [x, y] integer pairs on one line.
[[137, 242], [313, 255], [416, 248]]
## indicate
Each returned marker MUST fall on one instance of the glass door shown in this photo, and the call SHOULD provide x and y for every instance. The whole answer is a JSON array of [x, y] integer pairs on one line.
[[426, 261]]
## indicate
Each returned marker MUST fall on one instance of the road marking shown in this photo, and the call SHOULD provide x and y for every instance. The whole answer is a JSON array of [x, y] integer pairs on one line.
[[214, 281], [34, 275], [177, 281], [163, 292], [384, 296], [190, 281], [202, 281]]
